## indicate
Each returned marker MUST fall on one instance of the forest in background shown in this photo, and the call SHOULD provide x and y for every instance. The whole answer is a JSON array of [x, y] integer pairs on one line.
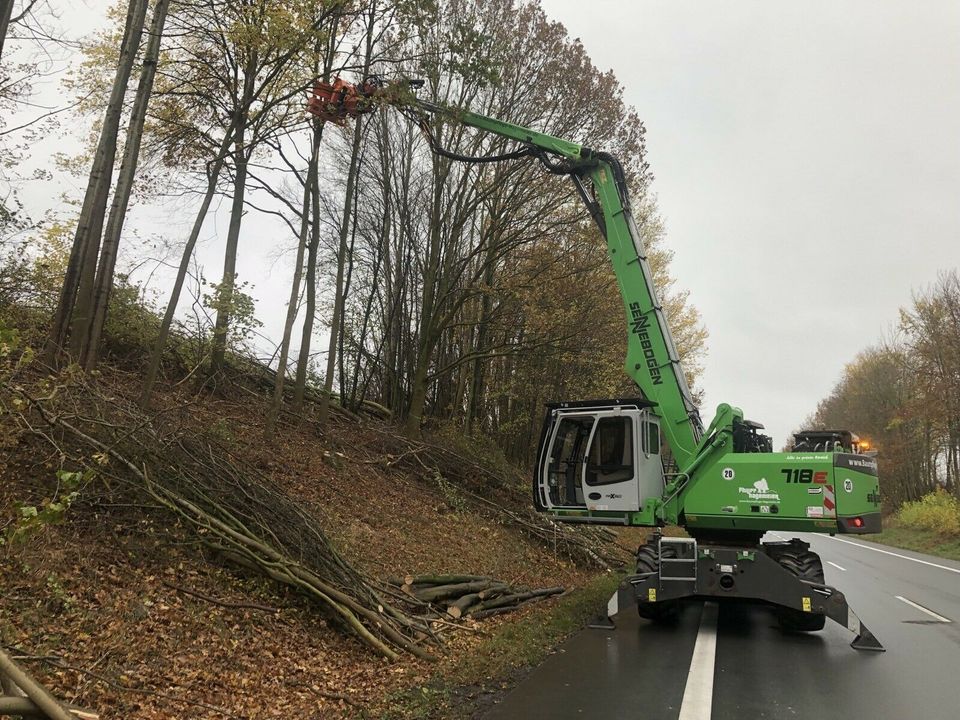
[[903, 396], [442, 292]]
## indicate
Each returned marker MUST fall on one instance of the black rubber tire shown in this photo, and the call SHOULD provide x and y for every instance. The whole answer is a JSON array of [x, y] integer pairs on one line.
[[665, 611], [806, 565]]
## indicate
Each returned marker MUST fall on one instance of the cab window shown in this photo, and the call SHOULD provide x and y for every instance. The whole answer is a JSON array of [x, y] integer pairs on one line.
[[652, 438], [566, 460], [610, 458]]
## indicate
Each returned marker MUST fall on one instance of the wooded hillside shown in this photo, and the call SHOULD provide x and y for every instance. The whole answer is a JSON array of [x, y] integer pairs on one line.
[[441, 290], [323, 461], [903, 395]]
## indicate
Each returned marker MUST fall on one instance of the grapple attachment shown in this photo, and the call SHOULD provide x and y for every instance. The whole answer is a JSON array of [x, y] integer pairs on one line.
[[339, 100]]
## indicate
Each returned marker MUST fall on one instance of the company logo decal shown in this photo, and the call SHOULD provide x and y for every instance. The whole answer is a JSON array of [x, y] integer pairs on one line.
[[760, 492], [639, 325]]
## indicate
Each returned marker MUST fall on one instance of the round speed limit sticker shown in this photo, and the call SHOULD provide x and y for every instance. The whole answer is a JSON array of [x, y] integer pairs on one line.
[[728, 474]]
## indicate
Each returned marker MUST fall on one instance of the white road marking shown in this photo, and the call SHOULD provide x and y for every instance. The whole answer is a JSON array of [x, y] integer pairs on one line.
[[698, 694], [921, 608], [836, 566], [905, 557]]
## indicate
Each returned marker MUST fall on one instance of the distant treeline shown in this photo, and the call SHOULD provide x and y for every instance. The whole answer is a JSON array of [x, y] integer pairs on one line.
[[904, 396]]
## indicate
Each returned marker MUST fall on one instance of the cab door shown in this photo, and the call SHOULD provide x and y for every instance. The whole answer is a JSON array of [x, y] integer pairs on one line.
[[610, 481], [560, 470]]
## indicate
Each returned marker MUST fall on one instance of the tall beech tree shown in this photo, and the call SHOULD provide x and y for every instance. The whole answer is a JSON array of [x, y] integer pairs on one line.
[[74, 309], [90, 342]]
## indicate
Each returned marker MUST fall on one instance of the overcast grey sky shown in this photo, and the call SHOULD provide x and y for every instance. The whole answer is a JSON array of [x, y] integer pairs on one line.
[[807, 163]]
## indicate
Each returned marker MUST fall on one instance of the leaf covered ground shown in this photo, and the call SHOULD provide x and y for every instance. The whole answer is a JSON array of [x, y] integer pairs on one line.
[[119, 608]]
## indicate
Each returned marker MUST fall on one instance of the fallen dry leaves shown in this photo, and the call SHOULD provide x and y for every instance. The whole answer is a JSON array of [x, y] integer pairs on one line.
[[96, 604]]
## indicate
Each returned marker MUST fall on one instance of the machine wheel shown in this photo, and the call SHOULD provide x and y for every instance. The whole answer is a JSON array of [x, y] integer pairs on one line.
[[648, 561], [806, 565]]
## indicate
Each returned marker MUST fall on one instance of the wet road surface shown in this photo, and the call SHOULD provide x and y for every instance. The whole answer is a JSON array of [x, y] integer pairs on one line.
[[730, 661]]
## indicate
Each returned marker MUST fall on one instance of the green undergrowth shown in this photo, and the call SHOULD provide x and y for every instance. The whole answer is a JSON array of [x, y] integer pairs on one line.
[[925, 541], [929, 525], [501, 659], [937, 512]]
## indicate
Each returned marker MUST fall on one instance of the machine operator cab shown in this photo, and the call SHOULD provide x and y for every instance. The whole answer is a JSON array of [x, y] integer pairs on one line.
[[599, 455]]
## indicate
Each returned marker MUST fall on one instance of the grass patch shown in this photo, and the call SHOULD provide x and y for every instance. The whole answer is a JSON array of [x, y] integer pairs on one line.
[[925, 541], [929, 525], [527, 642], [421, 703], [497, 661]]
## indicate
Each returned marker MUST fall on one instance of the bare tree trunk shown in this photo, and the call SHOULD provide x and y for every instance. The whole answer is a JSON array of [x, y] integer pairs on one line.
[[121, 197], [427, 341], [479, 366], [98, 185], [393, 276], [303, 358], [418, 392], [338, 298], [212, 176], [6, 12], [348, 280], [83, 309], [291, 317], [228, 281], [224, 296], [458, 401]]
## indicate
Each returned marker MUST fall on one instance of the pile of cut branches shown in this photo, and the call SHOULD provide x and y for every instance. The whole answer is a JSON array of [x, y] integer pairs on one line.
[[590, 545], [234, 512], [168, 458], [474, 596]]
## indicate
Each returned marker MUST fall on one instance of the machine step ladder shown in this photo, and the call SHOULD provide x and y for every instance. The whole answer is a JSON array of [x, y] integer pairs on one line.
[[683, 567]]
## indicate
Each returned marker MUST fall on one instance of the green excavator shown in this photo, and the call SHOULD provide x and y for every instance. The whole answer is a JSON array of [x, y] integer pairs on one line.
[[648, 461]]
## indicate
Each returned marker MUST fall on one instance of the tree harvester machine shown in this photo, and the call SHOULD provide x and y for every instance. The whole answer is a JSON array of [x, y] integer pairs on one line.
[[601, 461]]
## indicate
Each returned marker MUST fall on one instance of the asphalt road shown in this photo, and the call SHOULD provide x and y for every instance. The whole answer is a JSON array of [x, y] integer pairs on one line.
[[732, 662]]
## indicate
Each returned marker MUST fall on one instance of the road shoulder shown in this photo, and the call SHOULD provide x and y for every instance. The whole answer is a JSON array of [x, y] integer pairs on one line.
[[467, 685], [922, 541]]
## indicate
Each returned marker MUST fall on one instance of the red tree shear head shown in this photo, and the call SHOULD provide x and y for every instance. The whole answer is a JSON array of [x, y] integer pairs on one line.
[[339, 100]]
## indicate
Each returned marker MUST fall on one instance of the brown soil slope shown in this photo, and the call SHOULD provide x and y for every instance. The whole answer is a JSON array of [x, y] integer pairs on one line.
[[118, 609]]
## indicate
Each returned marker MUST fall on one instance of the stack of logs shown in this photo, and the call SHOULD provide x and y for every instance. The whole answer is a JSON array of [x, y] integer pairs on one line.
[[474, 596]]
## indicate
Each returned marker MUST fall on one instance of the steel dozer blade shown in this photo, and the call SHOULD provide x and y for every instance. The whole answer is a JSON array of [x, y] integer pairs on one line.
[[734, 573], [840, 612], [866, 641], [622, 599]]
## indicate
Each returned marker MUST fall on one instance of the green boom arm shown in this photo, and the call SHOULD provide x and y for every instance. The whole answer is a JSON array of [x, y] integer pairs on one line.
[[746, 487], [652, 360]]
